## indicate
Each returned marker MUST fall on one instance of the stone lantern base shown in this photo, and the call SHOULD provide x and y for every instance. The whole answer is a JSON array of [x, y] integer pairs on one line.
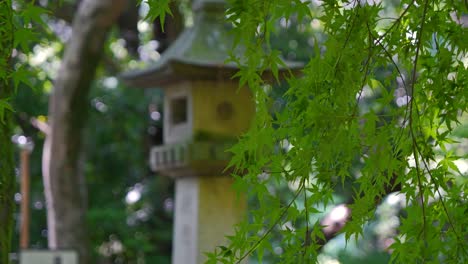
[[206, 210]]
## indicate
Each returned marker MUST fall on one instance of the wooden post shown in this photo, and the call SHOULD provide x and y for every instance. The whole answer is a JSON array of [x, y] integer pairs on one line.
[[25, 186]]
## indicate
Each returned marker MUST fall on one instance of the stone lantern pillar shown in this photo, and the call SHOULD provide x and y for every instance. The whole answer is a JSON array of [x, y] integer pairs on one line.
[[204, 113]]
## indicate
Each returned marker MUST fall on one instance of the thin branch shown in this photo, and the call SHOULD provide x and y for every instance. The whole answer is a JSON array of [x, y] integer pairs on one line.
[[413, 137], [306, 238], [348, 36], [431, 177], [397, 21], [442, 202], [366, 69], [389, 56], [270, 229]]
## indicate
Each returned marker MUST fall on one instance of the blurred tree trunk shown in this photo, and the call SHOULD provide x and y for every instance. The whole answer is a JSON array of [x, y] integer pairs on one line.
[[127, 23], [63, 175], [7, 173]]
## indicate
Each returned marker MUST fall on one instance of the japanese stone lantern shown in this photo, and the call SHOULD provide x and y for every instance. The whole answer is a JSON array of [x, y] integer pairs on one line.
[[204, 113]]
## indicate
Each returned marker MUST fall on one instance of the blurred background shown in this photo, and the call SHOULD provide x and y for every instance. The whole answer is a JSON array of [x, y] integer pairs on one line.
[[131, 208]]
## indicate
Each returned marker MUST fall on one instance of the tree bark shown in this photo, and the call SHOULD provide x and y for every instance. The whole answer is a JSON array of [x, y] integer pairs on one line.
[[62, 170], [7, 172]]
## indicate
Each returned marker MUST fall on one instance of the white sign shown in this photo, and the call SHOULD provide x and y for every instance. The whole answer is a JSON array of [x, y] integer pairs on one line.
[[30, 256]]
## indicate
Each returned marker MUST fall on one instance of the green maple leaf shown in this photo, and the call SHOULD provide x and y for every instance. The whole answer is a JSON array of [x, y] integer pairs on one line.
[[33, 13], [159, 8], [23, 37], [21, 75], [4, 106]]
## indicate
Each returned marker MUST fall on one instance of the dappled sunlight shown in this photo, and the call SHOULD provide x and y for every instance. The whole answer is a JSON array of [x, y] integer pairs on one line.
[[134, 194], [110, 82]]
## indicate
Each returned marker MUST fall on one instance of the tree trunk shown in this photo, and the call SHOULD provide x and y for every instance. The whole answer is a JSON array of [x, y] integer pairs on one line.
[[63, 178], [7, 172]]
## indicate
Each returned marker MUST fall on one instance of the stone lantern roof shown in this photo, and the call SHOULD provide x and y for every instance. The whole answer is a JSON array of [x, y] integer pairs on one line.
[[199, 53]]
